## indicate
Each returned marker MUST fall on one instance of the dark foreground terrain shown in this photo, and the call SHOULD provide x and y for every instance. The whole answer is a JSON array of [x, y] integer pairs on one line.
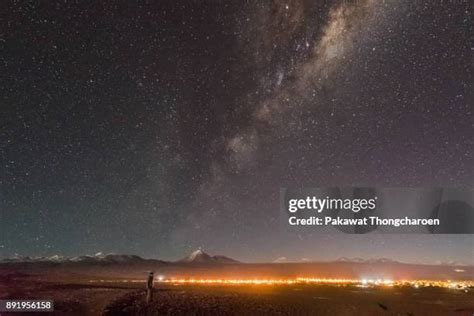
[[82, 297], [114, 285], [294, 300]]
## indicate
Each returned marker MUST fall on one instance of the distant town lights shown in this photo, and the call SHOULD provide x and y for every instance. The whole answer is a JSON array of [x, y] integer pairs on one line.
[[457, 285]]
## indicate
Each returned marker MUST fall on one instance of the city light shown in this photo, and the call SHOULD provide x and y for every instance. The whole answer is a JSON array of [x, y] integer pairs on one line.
[[459, 285], [367, 283]]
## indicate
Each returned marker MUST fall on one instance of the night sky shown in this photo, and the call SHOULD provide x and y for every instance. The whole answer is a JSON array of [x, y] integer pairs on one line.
[[154, 129]]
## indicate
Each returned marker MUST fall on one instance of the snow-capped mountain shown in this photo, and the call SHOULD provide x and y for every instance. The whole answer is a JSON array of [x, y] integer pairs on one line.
[[451, 263], [360, 260], [17, 258], [200, 256], [98, 257], [107, 258], [280, 260]]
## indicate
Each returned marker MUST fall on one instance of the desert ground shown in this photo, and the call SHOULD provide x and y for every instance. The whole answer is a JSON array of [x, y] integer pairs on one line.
[[115, 285], [79, 295]]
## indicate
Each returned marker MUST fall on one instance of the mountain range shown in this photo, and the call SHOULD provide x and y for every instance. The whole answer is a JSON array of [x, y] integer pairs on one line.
[[201, 264], [98, 257], [360, 260], [196, 257], [200, 256]]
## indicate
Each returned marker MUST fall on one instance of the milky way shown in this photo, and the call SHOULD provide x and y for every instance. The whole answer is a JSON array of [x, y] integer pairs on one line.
[[156, 129]]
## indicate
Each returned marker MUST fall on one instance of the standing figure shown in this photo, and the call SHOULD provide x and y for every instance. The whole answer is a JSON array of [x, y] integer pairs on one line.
[[149, 287]]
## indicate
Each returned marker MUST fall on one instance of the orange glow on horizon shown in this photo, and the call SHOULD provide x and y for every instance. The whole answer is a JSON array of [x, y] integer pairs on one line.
[[358, 282], [449, 284]]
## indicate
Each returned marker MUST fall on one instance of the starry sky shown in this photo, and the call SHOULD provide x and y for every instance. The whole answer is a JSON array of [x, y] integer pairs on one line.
[[157, 128]]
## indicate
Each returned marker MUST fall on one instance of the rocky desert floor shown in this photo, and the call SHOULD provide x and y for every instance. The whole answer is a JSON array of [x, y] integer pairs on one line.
[[85, 297]]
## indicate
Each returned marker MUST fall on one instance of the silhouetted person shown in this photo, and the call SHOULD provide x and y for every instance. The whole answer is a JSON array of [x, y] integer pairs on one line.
[[149, 288]]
